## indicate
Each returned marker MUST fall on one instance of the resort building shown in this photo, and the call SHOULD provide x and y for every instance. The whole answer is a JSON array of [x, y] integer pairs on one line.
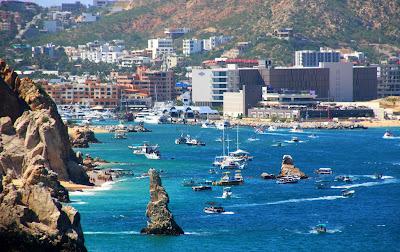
[[388, 80], [192, 46], [174, 33], [160, 85], [308, 58]]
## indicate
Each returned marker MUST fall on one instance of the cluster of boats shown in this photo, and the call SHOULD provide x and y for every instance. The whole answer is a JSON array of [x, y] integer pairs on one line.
[[149, 151], [84, 113], [288, 180], [188, 140]]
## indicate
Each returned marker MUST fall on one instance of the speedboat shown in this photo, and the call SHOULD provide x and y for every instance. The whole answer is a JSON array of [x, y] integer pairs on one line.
[[227, 193], [378, 176], [201, 188], [295, 140], [348, 193], [312, 136], [212, 209], [287, 180], [324, 171], [296, 129], [227, 180], [194, 142], [388, 134], [149, 151], [266, 175], [272, 128], [320, 228]]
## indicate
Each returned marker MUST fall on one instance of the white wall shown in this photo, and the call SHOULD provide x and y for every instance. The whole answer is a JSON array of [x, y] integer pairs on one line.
[[234, 104], [201, 85], [340, 81]]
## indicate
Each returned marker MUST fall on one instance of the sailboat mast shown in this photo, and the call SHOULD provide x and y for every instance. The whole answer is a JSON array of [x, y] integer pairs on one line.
[[223, 141], [237, 137]]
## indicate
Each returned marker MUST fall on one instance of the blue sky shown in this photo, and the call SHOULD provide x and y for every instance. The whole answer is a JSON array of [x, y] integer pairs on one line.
[[57, 2]]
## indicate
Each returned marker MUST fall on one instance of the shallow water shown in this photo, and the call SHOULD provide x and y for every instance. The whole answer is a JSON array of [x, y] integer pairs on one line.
[[262, 215]]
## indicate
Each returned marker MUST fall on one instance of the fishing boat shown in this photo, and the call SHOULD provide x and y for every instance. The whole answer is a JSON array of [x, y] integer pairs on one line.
[[324, 171], [287, 180], [320, 228], [213, 208], [348, 193], [388, 134], [226, 193], [227, 180], [296, 129], [201, 188], [120, 134]]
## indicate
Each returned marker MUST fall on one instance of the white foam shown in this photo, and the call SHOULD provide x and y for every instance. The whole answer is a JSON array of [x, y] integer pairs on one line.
[[110, 233], [197, 233], [366, 184], [305, 199], [104, 187], [78, 203], [81, 193], [228, 213]]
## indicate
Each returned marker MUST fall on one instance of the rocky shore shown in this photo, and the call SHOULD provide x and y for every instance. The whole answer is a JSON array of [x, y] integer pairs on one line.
[[287, 169], [80, 137], [35, 150], [160, 219]]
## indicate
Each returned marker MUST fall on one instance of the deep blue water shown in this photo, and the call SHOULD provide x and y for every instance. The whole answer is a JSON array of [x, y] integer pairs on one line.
[[264, 216]]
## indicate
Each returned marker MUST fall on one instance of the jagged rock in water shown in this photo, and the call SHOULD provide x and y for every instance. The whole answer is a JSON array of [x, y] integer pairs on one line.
[[288, 168], [80, 137], [32, 220], [38, 129], [160, 219]]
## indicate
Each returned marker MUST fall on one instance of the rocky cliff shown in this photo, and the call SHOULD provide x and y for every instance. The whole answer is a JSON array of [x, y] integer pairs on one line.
[[288, 168], [80, 137], [160, 219], [32, 127]]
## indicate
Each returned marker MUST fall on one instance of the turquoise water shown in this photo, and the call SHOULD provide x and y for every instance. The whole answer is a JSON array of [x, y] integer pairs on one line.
[[262, 215]]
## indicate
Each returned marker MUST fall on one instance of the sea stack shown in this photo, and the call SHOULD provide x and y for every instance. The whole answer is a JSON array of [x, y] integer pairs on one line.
[[160, 219], [80, 137], [288, 168]]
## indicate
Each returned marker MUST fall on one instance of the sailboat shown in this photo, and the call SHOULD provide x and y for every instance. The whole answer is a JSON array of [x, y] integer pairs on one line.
[[240, 154], [228, 161]]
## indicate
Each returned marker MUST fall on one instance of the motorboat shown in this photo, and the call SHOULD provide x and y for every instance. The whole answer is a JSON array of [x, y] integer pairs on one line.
[[320, 229], [272, 128], [324, 171], [388, 134], [181, 140], [201, 188], [348, 193], [120, 134], [296, 129], [155, 155], [194, 142], [287, 180], [213, 209], [227, 180], [223, 125], [231, 164], [149, 151], [378, 176], [226, 193], [266, 175], [312, 136], [207, 125], [241, 154], [344, 178], [295, 140]]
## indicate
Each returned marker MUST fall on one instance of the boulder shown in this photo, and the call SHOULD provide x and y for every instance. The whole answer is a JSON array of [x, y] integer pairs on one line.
[[32, 220], [160, 219], [288, 168], [80, 137], [6, 126]]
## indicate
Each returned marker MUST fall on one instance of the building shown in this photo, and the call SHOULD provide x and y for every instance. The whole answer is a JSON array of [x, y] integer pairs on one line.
[[209, 85], [308, 58], [160, 46], [238, 103], [102, 3], [340, 81], [47, 50], [212, 42], [223, 62], [284, 33], [159, 85], [86, 18], [72, 7], [388, 80], [287, 97], [52, 26], [365, 83], [174, 33], [192, 46]]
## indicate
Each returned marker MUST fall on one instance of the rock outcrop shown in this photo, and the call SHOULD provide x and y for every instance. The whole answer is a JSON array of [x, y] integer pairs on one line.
[[160, 219], [30, 125], [32, 220], [288, 168], [80, 137]]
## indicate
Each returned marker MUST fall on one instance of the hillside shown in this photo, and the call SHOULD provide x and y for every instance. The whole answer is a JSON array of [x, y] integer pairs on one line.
[[350, 23]]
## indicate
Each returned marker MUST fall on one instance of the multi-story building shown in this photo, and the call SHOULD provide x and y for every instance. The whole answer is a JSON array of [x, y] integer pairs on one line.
[[160, 85], [160, 46], [176, 32], [215, 41], [209, 85], [307, 58], [48, 50], [192, 46], [72, 7], [284, 33], [388, 80]]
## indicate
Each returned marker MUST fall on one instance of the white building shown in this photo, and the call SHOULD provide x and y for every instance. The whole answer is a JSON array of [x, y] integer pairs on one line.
[[130, 61], [87, 18], [160, 46], [340, 81], [192, 46], [234, 104], [215, 41], [307, 58]]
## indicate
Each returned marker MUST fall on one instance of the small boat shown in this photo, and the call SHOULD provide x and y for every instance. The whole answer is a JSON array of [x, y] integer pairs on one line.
[[344, 178], [223, 125], [272, 128], [295, 140], [265, 175], [388, 134], [296, 129], [287, 180], [324, 171], [155, 155], [227, 180], [207, 125], [348, 193], [252, 139], [227, 193], [320, 228], [312, 136], [378, 176], [213, 209], [201, 188], [120, 134], [322, 184], [194, 142], [181, 140]]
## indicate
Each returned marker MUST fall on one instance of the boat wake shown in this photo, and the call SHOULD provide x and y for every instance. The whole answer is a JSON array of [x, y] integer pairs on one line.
[[228, 213], [305, 199], [366, 184], [371, 176], [198, 233], [291, 141], [111, 233], [78, 203], [81, 193], [329, 231]]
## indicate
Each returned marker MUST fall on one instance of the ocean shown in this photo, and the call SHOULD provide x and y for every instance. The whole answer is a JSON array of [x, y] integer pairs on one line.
[[261, 215]]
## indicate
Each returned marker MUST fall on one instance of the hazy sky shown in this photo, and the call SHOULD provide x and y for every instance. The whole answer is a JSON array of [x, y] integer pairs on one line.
[[57, 2]]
